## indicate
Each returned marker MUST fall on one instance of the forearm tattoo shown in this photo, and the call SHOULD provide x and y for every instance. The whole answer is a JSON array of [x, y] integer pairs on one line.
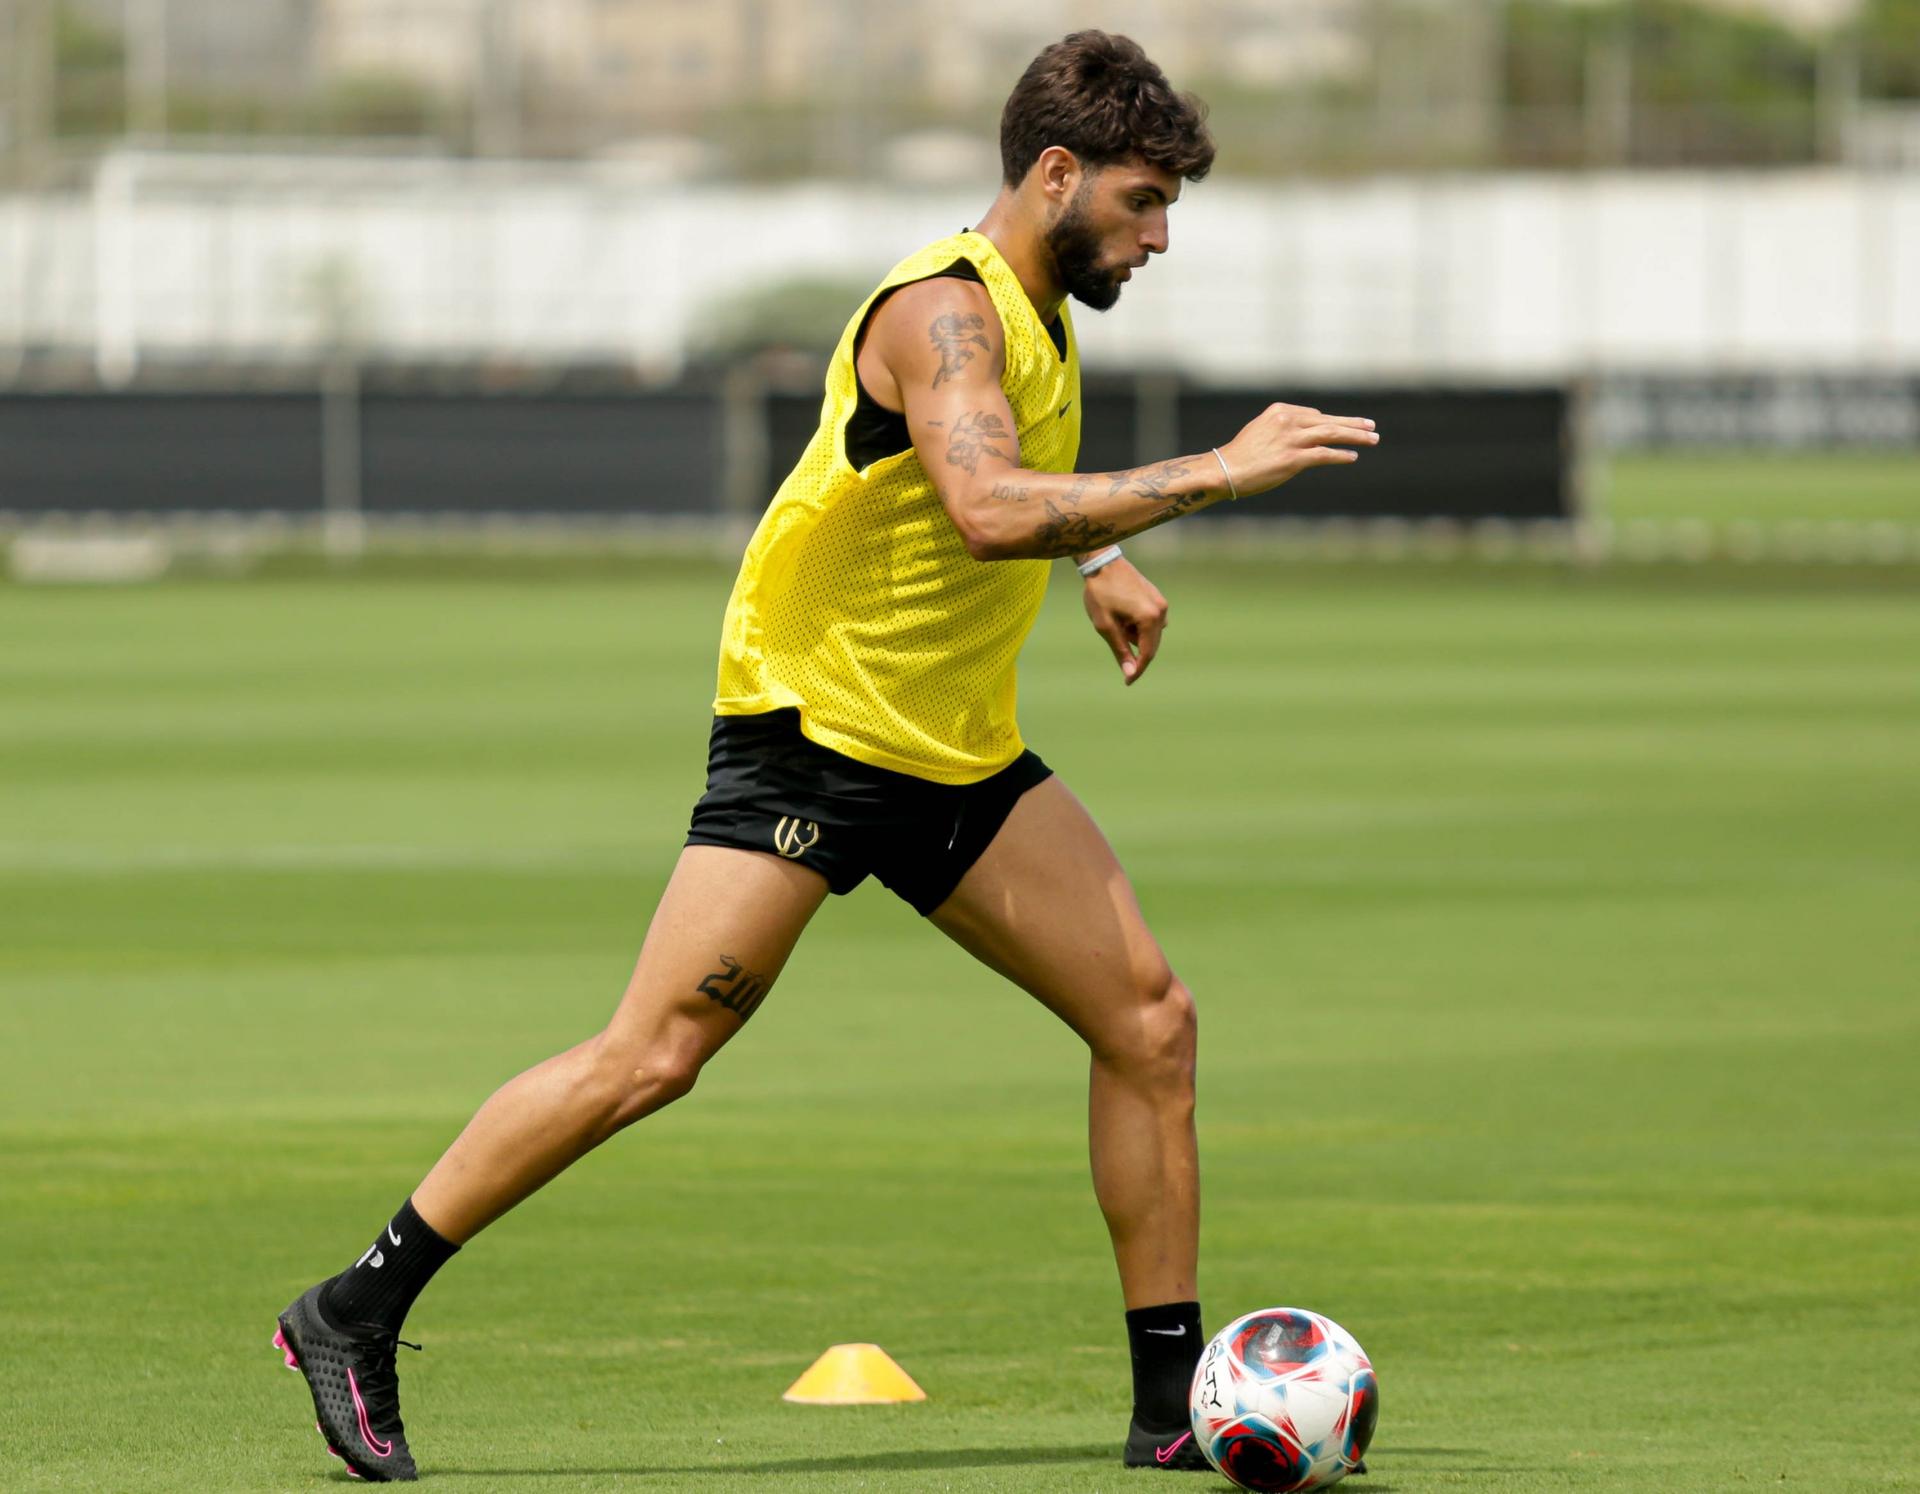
[[973, 436], [1149, 482], [737, 988], [955, 335], [1184, 503], [1066, 533]]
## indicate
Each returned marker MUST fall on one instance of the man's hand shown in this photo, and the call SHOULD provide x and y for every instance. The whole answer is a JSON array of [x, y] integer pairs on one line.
[[1283, 441], [1128, 611]]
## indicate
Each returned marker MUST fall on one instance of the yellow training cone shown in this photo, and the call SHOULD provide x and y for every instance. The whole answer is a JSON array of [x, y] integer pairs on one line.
[[854, 1375]]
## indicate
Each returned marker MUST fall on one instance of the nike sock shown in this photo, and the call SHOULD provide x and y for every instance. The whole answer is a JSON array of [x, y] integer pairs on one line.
[[381, 1285], [1166, 1344]]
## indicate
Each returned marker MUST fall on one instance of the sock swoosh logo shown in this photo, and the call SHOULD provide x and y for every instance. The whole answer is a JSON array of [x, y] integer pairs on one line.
[[1165, 1454]]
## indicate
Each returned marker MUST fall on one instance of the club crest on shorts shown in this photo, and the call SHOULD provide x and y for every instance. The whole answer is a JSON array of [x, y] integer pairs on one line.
[[792, 837]]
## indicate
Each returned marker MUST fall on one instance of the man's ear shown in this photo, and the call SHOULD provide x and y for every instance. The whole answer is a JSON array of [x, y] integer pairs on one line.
[[1060, 174]]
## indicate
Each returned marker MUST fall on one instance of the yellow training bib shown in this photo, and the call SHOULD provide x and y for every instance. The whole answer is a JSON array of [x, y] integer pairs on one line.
[[857, 601]]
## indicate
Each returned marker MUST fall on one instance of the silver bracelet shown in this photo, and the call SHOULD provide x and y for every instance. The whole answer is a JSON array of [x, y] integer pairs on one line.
[[1099, 560], [1232, 491]]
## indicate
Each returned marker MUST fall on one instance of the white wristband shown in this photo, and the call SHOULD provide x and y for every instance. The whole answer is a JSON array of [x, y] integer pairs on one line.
[[1232, 491], [1099, 560]]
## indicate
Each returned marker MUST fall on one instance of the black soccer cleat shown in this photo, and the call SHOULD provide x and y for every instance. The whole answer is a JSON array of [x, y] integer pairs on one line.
[[356, 1393], [1174, 1450]]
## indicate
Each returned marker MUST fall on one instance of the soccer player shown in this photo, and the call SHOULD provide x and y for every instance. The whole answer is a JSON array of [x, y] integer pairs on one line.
[[864, 725]]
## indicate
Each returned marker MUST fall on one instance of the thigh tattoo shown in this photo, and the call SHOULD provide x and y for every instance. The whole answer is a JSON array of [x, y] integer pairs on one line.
[[737, 988]]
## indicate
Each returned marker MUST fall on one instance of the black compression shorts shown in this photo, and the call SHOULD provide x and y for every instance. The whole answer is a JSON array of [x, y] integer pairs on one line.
[[771, 789]]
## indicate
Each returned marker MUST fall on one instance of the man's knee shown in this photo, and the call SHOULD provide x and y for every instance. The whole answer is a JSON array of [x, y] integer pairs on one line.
[[630, 1081], [1175, 1023], [1161, 1039]]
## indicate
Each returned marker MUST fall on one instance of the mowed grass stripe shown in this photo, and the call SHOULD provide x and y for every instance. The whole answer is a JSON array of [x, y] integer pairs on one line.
[[1554, 942]]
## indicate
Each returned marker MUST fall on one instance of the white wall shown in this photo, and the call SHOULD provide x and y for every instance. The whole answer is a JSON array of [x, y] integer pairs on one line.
[[1386, 278]]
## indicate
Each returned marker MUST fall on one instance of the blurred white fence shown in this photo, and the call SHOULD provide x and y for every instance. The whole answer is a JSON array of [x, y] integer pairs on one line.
[[260, 258]]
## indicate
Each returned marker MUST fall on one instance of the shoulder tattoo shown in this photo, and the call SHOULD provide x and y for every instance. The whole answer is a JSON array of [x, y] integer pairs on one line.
[[955, 335]]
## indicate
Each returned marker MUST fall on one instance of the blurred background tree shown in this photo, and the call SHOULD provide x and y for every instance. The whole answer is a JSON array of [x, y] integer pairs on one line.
[[845, 88], [1889, 32]]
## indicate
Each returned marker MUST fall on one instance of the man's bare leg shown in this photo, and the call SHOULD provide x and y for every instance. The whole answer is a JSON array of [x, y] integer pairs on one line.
[[723, 930], [721, 934], [1049, 907]]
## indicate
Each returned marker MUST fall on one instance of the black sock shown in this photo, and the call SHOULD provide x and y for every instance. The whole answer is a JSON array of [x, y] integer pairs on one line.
[[381, 1285], [1166, 1344]]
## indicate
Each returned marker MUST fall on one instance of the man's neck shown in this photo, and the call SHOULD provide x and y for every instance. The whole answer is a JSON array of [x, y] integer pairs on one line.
[[1022, 243]]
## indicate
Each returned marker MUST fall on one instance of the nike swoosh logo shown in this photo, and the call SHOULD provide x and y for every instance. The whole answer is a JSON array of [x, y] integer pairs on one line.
[[1180, 1332], [392, 1236], [380, 1447], [1165, 1454], [1066, 407]]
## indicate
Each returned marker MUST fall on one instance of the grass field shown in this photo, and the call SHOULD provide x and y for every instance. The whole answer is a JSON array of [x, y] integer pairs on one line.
[[1555, 937], [1764, 487]]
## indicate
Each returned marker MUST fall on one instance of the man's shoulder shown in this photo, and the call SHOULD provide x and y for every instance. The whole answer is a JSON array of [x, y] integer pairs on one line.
[[916, 300], [928, 321]]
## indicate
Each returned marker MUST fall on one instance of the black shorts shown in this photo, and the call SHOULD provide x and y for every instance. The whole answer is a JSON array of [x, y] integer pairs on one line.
[[771, 789]]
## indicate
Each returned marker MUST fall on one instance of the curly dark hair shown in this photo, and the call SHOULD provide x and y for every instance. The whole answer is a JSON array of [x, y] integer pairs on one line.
[[1101, 97]]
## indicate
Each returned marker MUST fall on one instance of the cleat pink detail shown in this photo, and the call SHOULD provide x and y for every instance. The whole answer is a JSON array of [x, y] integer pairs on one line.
[[366, 1431], [1164, 1455], [280, 1343]]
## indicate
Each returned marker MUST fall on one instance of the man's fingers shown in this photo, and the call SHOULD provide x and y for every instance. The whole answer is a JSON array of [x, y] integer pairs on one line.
[[1327, 456], [1149, 646], [1116, 637], [1345, 435]]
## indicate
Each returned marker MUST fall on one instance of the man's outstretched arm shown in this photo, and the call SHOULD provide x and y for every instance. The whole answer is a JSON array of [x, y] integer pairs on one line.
[[964, 433]]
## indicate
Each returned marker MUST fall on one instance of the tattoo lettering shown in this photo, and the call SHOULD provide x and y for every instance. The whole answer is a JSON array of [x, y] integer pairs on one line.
[[1008, 493], [736, 988], [1070, 533], [956, 335], [1074, 494], [972, 437]]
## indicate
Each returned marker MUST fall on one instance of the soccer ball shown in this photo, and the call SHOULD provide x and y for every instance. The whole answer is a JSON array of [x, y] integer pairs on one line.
[[1284, 1399]]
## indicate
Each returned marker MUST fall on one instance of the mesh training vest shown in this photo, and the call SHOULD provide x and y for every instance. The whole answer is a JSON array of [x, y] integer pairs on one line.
[[857, 601]]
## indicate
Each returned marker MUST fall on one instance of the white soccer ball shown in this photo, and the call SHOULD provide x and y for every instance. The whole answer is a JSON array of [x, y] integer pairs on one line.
[[1284, 1399]]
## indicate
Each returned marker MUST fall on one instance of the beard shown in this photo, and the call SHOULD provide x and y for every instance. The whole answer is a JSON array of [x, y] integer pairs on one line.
[[1075, 248]]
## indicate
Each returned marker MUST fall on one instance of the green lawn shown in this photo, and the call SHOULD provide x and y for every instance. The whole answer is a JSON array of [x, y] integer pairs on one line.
[[1556, 941], [1763, 487]]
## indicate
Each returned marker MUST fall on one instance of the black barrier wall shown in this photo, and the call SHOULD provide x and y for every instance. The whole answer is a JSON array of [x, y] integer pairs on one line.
[[1488, 454], [706, 450]]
